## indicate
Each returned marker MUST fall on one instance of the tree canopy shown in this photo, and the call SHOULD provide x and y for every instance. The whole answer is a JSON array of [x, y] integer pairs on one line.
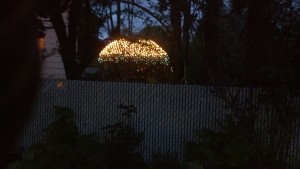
[[209, 41]]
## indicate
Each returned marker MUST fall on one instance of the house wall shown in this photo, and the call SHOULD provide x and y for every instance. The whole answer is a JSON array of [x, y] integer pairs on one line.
[[52, 66]]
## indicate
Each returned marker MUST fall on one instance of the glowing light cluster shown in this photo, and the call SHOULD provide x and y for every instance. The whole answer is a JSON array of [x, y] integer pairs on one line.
[[141, 52]]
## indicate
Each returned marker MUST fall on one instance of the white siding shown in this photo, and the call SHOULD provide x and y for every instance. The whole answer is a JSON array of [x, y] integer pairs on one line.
[[52, 67]]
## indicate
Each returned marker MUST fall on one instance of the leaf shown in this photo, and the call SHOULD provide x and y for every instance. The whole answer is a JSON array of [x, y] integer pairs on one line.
[[63, 112]]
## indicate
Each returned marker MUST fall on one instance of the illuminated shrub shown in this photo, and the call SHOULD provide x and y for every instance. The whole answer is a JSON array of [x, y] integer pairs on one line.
[[141, 57], [143, 51]]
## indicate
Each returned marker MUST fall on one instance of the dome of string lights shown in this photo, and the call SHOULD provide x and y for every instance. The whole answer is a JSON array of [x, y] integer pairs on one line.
[[142, 51]]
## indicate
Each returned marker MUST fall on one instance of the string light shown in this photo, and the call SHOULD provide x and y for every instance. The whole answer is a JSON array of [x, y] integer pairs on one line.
[[141, 52]]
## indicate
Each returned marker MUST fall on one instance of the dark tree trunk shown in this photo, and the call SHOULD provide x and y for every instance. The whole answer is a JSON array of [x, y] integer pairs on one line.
[[118, 28], [73, 29], [175, 53], [68, 36], [256, 42], [211, 38], [65, 46], [111, 18], [88, 39], [186, 33]]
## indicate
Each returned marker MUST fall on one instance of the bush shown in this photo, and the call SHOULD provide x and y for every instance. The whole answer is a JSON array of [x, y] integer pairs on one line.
[[65, 148], [229, 148]]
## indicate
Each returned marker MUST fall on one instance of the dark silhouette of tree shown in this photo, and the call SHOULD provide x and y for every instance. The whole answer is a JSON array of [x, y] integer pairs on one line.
[[270, 33], [211, 36], [187, 19], [180, 24], [81, 28], [261, 32], [247, 42], [118, 28], [258, 39]]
